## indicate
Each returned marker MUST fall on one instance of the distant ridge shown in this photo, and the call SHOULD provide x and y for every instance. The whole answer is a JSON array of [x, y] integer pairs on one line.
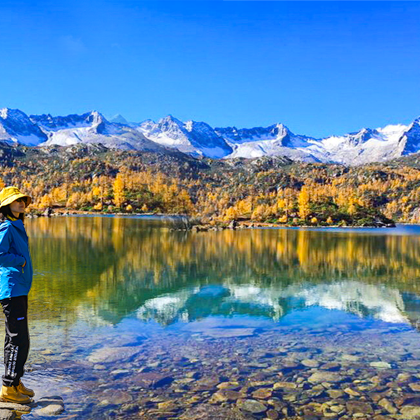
[[200, 139]]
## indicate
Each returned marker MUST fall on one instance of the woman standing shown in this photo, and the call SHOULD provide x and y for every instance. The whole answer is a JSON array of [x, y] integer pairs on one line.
[[15, 283]]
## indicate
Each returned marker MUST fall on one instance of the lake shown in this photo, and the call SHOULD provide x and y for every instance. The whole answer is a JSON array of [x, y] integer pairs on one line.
[[129, 320]]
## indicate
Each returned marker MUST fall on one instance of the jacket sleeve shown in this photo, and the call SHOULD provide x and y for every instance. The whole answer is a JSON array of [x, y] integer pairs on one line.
[[8, 259]]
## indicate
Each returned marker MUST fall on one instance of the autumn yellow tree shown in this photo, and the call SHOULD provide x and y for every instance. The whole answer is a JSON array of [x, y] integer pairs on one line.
[[184, 203], [170, 197], [244, 207], [75, 200], [46, 201], [286, 200], [119, 192], [230, 214], [352, 207], [58, 195], [391, 209], [303, 202], [261, 212]]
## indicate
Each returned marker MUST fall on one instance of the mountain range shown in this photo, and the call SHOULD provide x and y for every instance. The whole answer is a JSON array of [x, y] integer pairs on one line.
[[199, 139]]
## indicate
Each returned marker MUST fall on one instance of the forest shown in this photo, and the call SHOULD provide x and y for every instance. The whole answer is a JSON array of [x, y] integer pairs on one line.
[[92, 178]]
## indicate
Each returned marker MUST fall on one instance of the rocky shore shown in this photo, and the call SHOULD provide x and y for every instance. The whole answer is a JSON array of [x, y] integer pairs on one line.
[[43, 407], [244, 373]]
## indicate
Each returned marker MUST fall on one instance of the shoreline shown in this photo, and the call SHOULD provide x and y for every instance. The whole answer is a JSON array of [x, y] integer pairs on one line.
[[203, 227]]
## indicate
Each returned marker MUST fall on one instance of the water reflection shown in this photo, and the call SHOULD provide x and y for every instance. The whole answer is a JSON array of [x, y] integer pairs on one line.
[[361, 299], [121, 304], [103, 269]]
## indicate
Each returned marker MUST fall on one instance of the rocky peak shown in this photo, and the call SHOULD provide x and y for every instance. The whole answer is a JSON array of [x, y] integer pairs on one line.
[[119, 119], [95, 118], [362, 136], [13, 114], [16, 126], [411, 138], [170, 120]]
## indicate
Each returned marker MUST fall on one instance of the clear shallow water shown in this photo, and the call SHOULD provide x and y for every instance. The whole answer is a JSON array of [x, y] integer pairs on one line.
[[117, 299]]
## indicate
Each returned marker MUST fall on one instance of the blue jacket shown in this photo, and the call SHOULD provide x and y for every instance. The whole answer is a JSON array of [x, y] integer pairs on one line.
[[15, 280]]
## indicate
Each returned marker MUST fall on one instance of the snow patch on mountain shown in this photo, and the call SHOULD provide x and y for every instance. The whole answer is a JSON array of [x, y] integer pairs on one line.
[[92, 127], [275, 140], [194, 138]]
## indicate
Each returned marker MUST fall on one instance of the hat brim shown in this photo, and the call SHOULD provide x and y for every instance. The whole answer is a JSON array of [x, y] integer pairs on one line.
[[14, 197]]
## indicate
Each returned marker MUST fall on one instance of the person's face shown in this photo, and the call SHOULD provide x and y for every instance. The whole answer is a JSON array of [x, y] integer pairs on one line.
[[18, 206]]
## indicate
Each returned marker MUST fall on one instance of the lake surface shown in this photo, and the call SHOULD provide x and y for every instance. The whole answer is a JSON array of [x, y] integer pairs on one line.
[[129, 319]]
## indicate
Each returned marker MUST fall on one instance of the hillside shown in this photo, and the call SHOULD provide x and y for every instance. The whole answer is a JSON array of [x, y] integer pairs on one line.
[[266, 189]]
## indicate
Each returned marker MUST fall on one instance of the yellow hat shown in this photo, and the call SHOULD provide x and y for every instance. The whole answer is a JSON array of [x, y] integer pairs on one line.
[[10, 194]]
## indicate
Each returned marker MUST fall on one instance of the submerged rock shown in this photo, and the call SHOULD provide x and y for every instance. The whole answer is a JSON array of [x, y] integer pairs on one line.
[[226, 395], [410, 412], [152, 379], [229, 332], [272, 414], [325, 376], [113, 354], [310, 363], [209, 412], [252, 406], [284, 385], [388, 406], [262, 394], [359, 407], [415, 386], [117, 397], [49, 406], [207, 384], [381, 365], [229, 385]]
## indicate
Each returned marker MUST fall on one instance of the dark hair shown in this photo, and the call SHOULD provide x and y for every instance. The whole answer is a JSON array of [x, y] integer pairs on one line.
[[6, 213]]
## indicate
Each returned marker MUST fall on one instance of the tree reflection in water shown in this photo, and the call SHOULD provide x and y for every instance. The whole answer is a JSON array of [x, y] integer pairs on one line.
[[111, 267]]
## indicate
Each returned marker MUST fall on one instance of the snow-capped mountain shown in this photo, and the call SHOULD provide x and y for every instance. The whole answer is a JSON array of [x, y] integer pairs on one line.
[[195, 138], [364, 146], [278, 132], [50, 123], [275, 140], [92, 127], [200, 139], [16, 127]]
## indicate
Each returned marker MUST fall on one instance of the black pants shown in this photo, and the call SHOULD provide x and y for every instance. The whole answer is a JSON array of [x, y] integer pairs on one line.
[[16, 341]]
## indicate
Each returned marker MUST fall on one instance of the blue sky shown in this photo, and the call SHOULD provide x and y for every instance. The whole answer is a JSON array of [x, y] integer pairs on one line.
[[320, 68]]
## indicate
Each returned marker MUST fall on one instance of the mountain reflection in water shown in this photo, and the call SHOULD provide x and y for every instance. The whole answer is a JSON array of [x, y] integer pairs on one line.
[[355, 297], [104, 269]]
